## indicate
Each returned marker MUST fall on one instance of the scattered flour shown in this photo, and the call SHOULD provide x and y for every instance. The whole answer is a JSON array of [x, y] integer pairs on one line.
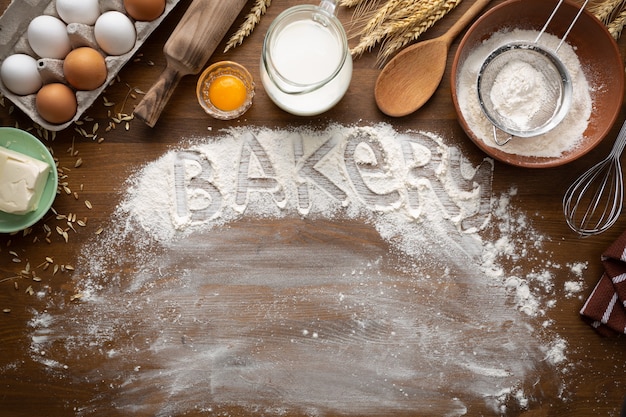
[[565, 137], [352, 271], [575, 287]]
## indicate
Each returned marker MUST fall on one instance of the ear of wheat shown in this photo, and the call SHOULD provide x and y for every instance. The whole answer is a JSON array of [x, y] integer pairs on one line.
[[247, 27], [393, 24], [605, 10], [610, 12], [390, 25], [616, 25]]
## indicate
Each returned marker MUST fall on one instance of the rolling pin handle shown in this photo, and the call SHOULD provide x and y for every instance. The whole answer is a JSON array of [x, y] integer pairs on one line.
[[153, 103]]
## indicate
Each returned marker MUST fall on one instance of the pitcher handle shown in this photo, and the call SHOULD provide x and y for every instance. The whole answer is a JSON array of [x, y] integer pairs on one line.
[[329, 5]]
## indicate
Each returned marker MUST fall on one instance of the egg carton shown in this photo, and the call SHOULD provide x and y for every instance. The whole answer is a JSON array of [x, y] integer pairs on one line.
[[13, 28]]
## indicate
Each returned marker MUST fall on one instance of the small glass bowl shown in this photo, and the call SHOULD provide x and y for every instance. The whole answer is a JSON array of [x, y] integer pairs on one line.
[[211, 74]]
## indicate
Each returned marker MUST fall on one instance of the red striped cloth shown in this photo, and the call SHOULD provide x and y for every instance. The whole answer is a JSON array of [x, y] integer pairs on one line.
[[605, 309]]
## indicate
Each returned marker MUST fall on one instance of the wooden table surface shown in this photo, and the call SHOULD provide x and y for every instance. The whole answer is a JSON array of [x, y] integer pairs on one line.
[[238, 345]]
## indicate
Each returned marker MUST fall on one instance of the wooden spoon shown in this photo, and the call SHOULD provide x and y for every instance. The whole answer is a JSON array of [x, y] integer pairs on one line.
[[411, 77]]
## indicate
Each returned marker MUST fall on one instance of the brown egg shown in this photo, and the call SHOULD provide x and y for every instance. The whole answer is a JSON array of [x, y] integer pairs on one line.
[[144, 10], [85, 68], [56, 103]]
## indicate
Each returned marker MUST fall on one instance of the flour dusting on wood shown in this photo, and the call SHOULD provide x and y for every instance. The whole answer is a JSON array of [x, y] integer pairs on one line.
[[355, 270]]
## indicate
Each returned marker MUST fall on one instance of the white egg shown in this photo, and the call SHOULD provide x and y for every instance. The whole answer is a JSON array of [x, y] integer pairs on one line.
[[47, 36], [78, 11], [115, 33], [20, 75]]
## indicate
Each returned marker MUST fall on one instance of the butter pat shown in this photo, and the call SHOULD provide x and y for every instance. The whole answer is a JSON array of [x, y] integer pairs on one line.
[[22, 181]]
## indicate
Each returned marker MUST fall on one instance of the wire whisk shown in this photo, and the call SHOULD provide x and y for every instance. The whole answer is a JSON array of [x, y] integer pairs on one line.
[[593, 203]]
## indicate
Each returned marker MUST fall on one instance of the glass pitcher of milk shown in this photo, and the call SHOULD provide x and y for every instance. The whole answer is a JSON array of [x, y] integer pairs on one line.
[[306, 66]]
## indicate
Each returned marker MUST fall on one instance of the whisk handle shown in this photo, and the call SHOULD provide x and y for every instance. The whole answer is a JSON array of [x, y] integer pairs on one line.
[[620, 142]]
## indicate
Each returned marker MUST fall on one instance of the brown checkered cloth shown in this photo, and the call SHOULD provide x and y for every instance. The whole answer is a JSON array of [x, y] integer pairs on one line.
[[605, 309]]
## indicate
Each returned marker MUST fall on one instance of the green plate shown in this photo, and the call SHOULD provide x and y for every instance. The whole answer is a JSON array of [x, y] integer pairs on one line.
[[23, 142]]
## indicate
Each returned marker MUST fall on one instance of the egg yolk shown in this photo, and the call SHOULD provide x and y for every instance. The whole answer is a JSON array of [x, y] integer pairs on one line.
[[227, 92]]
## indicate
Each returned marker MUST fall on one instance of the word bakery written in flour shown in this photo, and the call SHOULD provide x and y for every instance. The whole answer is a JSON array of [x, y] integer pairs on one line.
[[216, 316], [349, 167]]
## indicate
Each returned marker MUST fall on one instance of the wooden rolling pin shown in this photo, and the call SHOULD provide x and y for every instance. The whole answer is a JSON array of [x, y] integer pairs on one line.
[[187, 50]]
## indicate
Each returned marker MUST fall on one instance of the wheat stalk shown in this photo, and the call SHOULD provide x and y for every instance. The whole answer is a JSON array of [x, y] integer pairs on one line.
[[394, 44], [606, 10], [381, 15], [350, 3], [388, 21], [252, 19], [615, 27], [394, 23], [611, 13]]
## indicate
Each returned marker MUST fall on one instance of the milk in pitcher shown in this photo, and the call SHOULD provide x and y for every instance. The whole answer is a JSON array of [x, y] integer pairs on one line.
[[306, 67]]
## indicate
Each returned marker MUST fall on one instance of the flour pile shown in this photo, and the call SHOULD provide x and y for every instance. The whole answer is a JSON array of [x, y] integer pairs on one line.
[[356, 270], [521, 93]]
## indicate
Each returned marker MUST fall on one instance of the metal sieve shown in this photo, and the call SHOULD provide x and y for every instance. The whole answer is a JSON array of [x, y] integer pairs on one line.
[[553, 86]]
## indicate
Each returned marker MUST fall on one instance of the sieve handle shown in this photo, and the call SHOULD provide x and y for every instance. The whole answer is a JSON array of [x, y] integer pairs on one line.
[[545, 26], [500, 142], [556, 8], [572, 24]]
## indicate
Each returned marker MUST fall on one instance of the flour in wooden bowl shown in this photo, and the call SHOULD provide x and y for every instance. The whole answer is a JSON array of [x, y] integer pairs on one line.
[[355, 270], [565, 137]]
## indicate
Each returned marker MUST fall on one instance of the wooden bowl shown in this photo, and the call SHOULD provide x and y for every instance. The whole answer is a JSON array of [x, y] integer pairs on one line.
[[597, 52]]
